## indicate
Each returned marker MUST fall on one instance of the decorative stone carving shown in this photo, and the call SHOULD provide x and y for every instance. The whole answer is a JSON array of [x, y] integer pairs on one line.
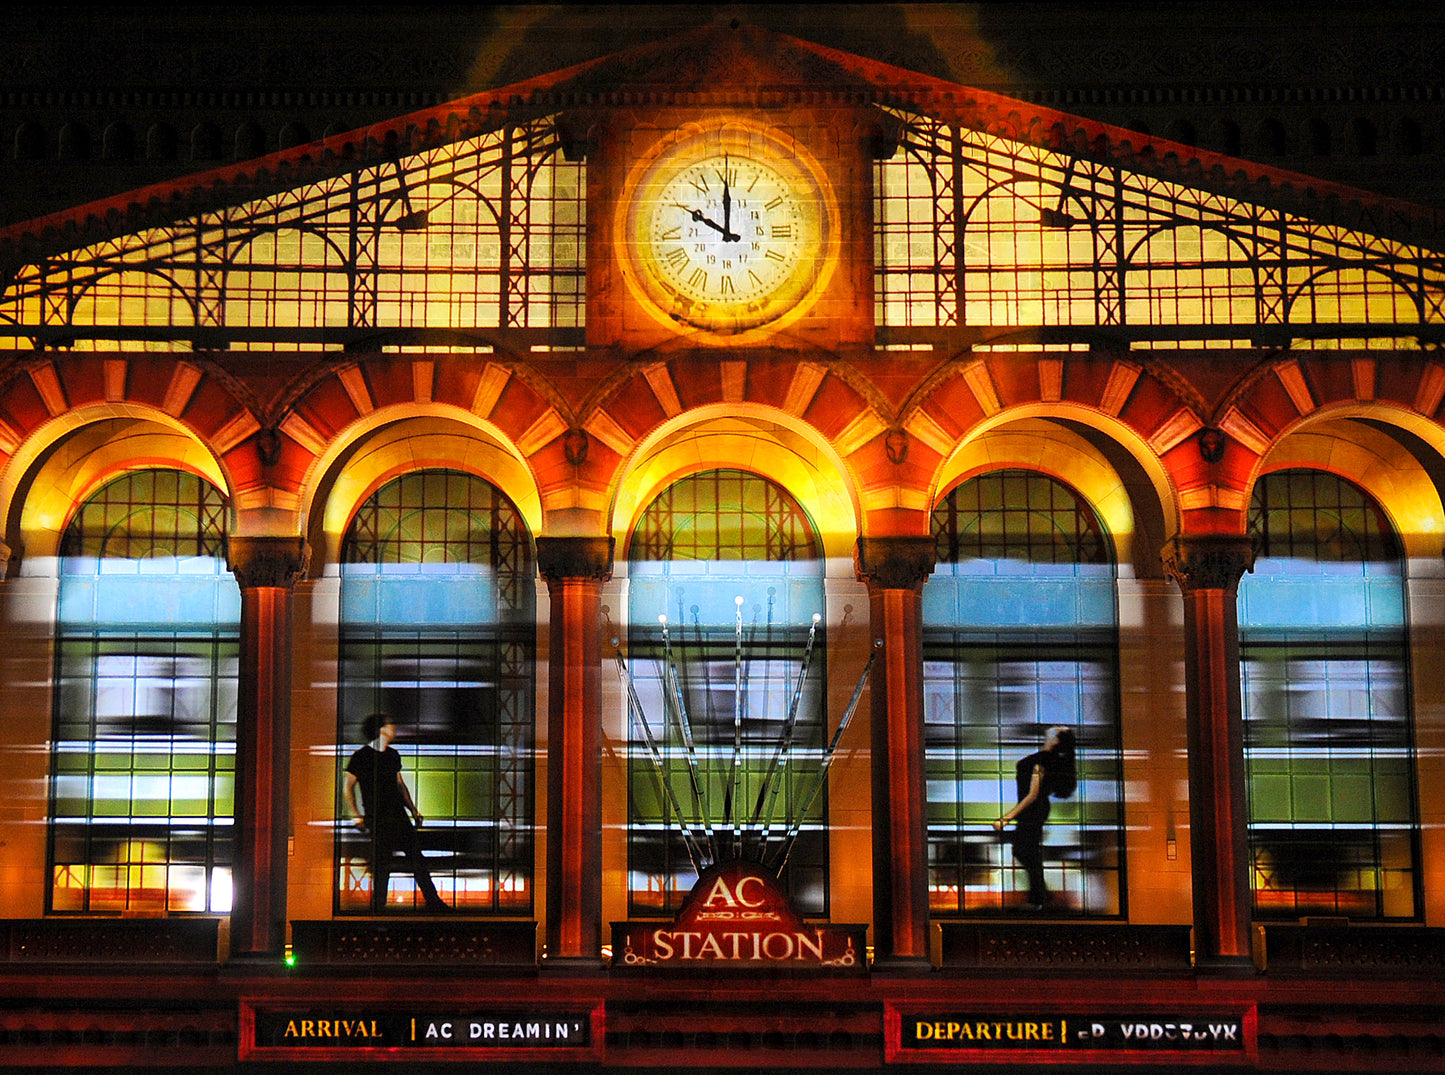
[[267, 561], [1208, 561], [575, 558], [895, 563]]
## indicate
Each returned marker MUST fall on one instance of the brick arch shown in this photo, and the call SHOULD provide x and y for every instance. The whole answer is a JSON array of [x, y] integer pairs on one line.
[[1150, 402], [826, 395], [506, 394], [54, 393]]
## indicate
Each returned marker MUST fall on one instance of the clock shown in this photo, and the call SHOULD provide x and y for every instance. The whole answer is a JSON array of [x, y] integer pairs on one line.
[[727, 228]]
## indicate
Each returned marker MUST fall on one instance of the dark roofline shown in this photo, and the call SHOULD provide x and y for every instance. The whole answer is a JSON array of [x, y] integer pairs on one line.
[[828, 77]]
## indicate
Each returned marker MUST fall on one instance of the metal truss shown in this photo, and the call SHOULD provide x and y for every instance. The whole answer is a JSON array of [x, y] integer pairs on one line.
[[1005, 241], [486, 233]]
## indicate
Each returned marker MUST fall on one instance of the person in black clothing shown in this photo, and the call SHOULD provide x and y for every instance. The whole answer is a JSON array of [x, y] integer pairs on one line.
[[1045, 773], [385, 803]]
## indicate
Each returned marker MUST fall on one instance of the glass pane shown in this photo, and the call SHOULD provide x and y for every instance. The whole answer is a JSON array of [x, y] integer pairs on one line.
[[1020, 637]]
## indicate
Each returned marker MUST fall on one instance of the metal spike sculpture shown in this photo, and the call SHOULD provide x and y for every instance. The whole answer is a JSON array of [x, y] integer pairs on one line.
[[706, 845]]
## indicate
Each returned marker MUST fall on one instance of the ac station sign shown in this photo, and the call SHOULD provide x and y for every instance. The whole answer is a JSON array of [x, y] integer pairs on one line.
[[736, 917]]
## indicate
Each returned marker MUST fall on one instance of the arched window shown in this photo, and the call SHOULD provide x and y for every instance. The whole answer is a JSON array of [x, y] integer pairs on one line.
[[438, 632], [1020, 635], [715, 547], [1333, 824], [143, 754]]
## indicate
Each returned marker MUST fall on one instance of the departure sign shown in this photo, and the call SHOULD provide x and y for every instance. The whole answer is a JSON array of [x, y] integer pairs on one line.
[[937, 1035]]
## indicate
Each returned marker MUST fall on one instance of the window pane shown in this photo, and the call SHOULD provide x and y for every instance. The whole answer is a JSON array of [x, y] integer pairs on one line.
[[144, 745], [1328, 753], [438, 625], [1019, 637], [723, 703]]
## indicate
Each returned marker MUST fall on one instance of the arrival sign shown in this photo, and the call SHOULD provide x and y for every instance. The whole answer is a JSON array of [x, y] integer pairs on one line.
[[737, 917]]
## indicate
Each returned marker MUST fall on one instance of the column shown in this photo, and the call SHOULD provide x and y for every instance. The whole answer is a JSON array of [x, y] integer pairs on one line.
[[266, 569], [1208, 569], [575, 569], [894, 569]]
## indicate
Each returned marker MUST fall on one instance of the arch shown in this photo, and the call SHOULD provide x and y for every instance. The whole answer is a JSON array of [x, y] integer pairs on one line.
[[117, 142], [205, 142], [1363, 137], [1269, 138], [1371, 447], [250, 141], [392, 441], [750, 437], [293, 134], [1316, 137], [65, 460], [74, 142], [1107, 462], [1224, 137], [1406, 137], [29, 142], [161, 142]]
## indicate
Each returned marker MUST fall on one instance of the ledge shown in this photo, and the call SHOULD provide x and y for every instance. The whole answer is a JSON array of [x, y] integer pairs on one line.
[[1063, 946], [421, 941], [110, 940], [1353, 950]]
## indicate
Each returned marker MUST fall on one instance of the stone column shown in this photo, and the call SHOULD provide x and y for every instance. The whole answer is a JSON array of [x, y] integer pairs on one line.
[[1208, 569], [894, 569], [266, 569], [575, 569]]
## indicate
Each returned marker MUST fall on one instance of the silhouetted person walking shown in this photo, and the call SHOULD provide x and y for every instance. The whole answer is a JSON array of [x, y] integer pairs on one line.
[[1044, 773], [383, 814]]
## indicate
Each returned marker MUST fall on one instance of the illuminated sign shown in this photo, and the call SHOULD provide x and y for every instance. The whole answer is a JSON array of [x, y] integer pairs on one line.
[[736, 916], [321, 1031], [932, 1036]]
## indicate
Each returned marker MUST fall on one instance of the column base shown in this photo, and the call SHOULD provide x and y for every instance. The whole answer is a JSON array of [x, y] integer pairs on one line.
[[901, 966], [573, 967], [1226, 966]]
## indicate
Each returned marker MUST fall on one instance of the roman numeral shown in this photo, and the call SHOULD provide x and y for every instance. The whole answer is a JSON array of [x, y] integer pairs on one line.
[[700, 184], [672, 233], [698, 279], [676, 257], [782, 231], [755, 278], [775, 256], [725, 285], [774, 203]]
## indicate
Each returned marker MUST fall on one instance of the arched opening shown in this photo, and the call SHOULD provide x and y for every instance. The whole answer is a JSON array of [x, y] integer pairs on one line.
[[728, 726], [1021, 635], [143, 750], [1333, 823], [438, 635]]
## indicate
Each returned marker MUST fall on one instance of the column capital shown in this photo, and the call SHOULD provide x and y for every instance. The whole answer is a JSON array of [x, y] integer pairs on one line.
[[267, 561], [1208, 561], [575, 558], [895, 563]]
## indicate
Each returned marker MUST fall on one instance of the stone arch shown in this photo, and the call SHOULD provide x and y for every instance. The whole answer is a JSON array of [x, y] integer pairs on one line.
[[1110, 465], [1153, 418], [65, 460], [764, 440], [394, 441], [1393, 454], [828, 399], [516, 406]]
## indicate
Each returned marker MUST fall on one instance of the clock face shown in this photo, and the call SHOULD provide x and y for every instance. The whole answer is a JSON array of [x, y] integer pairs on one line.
[[727, 234]]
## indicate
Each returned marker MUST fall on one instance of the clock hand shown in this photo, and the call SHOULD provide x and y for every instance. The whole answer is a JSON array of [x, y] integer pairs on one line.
[[696, 215], [729, 236]]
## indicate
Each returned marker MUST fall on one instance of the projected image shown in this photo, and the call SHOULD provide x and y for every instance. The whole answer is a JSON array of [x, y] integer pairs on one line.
[[143, 755], [1020, 638], [438, 624], [1328, 741]]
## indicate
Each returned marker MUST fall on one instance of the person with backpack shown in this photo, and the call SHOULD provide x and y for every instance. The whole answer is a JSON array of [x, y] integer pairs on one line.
[[1046, 773]]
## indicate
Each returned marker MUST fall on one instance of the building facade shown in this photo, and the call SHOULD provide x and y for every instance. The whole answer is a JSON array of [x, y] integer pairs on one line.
[[729, 453]]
